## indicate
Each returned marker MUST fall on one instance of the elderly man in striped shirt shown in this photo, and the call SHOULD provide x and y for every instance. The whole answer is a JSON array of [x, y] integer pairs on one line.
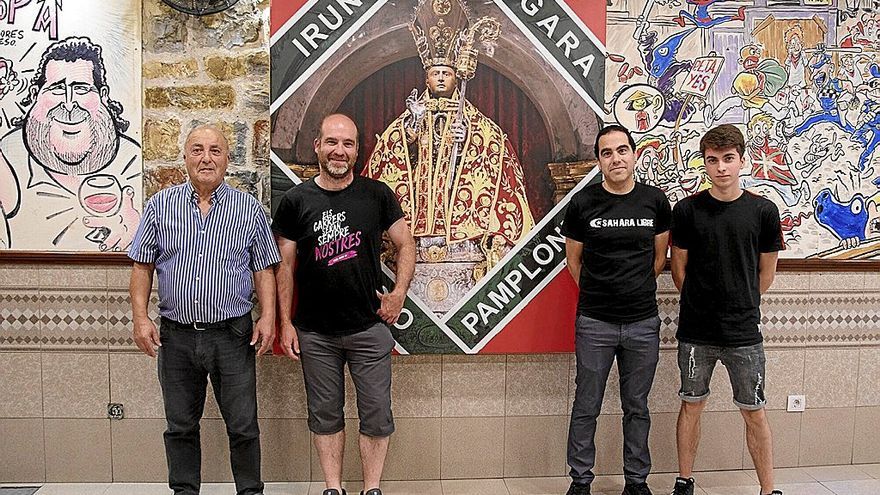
[[211, 246]]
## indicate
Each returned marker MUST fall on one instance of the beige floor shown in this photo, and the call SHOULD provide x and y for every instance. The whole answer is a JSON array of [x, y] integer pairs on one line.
[[863, 479]]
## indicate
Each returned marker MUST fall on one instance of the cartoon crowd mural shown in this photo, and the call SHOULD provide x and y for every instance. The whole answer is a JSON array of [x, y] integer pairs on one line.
[[801, 79], [70, 159]]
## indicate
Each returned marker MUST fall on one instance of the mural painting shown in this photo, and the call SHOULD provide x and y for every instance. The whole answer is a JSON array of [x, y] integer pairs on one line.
[[70, 159], [800, 78]]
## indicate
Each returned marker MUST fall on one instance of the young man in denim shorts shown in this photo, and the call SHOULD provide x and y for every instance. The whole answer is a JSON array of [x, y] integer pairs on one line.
[[329, 232], [725, 243]]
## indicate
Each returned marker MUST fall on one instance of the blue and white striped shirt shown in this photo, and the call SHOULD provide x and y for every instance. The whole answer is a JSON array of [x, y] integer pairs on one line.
[[204, 264]]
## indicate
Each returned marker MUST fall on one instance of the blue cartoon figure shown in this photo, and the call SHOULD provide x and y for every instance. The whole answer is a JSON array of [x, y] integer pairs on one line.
[[867, 130], [847, 221], [834, 95], [703, 19], [663, 69]]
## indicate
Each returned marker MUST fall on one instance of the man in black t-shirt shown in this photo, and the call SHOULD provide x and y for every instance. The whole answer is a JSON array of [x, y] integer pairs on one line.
[[617, 234], [329, 232], [725, 243]]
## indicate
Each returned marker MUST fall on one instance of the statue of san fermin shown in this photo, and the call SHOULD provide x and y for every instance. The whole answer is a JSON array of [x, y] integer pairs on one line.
[[456, 174]]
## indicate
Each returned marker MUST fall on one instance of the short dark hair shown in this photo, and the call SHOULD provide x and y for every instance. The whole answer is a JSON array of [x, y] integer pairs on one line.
[[614, 128], [70, 50], [722, 137]]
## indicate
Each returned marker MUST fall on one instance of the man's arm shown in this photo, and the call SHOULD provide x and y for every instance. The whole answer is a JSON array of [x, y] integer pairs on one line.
[[264, 328], [573, 252], [403, 241], [145, 333], [679, 263], [284, 282], [767, 270], [661, 246]]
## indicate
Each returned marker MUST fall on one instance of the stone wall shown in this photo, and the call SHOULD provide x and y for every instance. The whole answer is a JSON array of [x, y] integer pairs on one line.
[[212, 69]]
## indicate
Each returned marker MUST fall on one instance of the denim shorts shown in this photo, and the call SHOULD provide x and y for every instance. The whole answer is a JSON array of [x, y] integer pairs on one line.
[[745, 367], [368, 354]]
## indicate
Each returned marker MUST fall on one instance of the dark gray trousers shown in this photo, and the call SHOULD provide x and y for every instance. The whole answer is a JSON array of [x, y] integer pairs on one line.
[[186, 359], [637, 349]]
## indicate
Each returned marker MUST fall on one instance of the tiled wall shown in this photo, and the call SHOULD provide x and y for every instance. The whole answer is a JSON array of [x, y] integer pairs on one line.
[[65, 352]]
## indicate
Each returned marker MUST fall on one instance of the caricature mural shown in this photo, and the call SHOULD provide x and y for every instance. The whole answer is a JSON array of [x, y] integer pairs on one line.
[[70, 162], [802, 81]]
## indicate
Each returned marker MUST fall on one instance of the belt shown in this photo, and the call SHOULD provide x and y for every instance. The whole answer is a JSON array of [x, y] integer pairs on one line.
[[198, 325]]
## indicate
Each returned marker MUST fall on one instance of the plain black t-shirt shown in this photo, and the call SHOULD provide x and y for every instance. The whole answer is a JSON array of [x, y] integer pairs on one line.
[[617, 282], [338, 237], [720, 300]]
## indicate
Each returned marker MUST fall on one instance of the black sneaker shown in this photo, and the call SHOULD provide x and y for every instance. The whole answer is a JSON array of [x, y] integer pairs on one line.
[[578, 489], [372, 491], [776, 492], [683, 486], [333, 491], [636, 489]]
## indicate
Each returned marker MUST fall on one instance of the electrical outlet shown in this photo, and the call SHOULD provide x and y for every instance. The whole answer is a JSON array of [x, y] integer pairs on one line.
[[797, 403], [115, 411]]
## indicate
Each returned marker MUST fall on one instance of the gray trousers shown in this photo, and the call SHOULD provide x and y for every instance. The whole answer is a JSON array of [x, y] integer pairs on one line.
[[637, 349]]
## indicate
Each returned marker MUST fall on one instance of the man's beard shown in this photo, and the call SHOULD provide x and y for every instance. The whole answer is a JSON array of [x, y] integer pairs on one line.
[[334, 171], [96, 154]]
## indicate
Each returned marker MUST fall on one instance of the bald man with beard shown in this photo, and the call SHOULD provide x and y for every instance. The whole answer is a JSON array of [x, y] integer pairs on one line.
[[67, 168]]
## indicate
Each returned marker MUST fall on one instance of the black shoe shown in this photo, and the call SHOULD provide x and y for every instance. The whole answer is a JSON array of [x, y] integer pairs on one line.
[[372, 491], [636, 489], [776, 492], [578, 489], [683, 486], [333, 491]]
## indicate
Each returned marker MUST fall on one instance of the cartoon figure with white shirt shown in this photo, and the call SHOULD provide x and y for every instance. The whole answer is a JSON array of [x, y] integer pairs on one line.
[[69, 178]]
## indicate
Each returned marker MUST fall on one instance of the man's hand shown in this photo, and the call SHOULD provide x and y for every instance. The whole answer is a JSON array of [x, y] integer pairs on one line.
[[121, 227], [391, 304], [289, 341], [264, 333], [146, 336], [459, 131]]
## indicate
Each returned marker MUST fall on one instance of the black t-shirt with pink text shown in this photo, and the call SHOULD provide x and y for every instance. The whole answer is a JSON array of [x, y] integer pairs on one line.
[[338, 237]]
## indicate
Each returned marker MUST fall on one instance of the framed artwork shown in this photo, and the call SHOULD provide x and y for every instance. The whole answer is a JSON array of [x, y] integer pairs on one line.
[[70, 125]]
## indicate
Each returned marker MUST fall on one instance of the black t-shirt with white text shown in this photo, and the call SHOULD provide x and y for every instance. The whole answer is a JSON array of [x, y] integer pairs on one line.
[[338, 237], [720, 299], [617, 281]]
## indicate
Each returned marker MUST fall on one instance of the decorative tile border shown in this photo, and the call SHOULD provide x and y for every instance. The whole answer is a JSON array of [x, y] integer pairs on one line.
[[101, 320]]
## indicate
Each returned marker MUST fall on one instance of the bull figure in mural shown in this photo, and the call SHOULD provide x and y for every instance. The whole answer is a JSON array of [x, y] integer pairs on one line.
[[853, 221]]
